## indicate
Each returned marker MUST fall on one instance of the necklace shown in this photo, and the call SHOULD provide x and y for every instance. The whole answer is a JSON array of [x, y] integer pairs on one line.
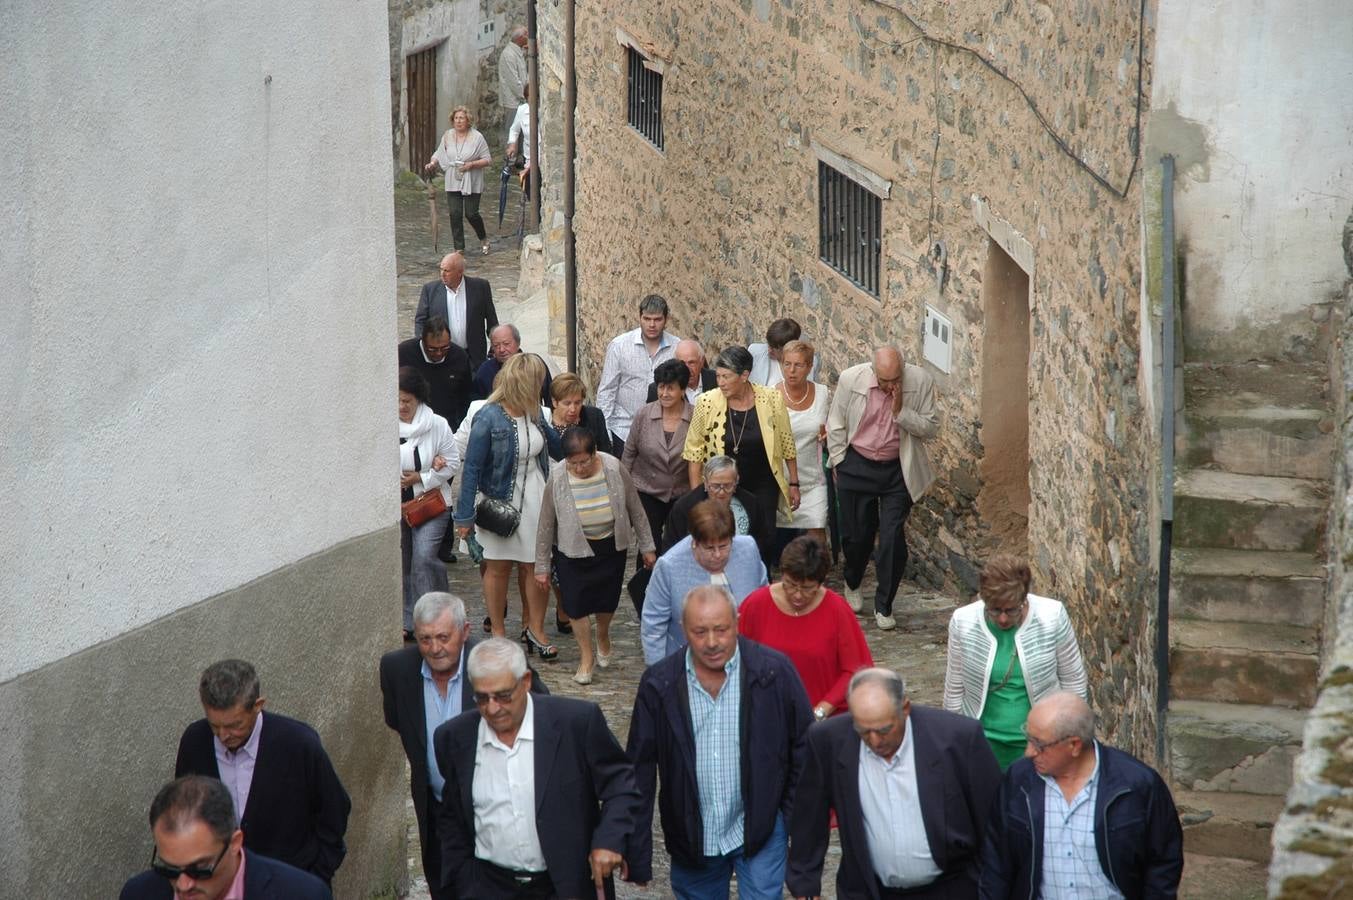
[[784, 389], [737, 438]]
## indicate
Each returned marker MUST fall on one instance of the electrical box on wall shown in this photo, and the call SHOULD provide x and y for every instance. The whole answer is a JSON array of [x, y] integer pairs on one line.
[[488, 35], [939, 339]]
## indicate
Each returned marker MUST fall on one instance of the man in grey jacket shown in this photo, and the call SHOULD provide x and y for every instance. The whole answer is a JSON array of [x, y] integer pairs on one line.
[[512, 75]]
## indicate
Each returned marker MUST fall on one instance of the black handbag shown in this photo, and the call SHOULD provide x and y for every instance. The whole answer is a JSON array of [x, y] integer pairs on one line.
[[497, 516]]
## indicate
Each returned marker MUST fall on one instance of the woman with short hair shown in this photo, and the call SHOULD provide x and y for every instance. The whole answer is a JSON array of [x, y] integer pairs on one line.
[[569, 396], [806, 403], [463, 154], [428, 461], [1008, 649], [657, 438]]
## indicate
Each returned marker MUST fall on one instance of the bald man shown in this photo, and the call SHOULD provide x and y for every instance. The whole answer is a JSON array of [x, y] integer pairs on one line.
[[881, 414], [702, 379], [467, 305], [1102, 823]]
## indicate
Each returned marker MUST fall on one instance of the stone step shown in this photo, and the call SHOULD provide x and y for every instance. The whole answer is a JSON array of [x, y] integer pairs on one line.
[[1242, 662], [1220, 823], [1233, 746], [1249, 512], [1259, 418], [1281, 588]]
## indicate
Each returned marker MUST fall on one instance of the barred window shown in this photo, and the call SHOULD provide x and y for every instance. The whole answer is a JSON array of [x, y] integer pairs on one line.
[[645, 98], [850, 220]]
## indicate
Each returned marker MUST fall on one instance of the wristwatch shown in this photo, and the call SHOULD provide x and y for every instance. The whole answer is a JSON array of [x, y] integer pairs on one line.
[[819, 713]]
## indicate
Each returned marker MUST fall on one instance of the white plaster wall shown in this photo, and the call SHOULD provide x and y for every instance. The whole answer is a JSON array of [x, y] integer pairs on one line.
[[1253, 98], [197, 327]]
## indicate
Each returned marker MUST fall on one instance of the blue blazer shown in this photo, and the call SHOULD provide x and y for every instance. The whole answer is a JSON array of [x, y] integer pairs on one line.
[[264, 879]]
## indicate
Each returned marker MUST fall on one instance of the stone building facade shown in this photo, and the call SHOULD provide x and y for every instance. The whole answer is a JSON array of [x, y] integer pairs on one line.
[[1002, 141]]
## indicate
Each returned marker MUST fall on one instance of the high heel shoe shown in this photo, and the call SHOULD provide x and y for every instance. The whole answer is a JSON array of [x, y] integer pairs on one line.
[[547, 651]]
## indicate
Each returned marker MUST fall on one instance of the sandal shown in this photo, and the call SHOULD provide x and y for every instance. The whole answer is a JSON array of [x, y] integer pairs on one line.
[[488, 625], [562, 627], [547, 651]]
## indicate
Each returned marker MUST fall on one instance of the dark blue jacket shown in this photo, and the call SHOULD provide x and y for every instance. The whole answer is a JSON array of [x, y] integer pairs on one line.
[[490, 465], [264, 879], [1137, 833], [773, 722]]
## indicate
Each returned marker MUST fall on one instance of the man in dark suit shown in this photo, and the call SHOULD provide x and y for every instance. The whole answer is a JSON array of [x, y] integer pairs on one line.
[[445, 366], [466, 304], [702, 378], [539, 798], [425, 685], [504, 343], [911, 787], [287, 796], [199, 852]]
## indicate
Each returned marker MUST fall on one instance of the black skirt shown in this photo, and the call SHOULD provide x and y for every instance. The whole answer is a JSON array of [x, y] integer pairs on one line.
[[591, 584]]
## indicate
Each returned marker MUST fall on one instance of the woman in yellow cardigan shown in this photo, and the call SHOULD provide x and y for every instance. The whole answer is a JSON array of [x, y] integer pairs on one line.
[[749, 423]]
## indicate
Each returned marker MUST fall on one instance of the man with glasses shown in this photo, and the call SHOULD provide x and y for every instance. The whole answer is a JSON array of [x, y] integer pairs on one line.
[[719, 481], [199, 852], [911, 787], [465, 303], [287, 796], [445, 366], [539, 798], [1078, 820], [881, 413]]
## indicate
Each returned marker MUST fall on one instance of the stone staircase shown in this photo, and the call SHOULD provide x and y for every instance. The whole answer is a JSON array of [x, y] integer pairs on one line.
[[1254, 451]]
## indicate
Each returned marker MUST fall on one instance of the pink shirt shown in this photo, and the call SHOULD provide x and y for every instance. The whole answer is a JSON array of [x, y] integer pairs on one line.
[[236, 891], [876, 437], [237, 769]]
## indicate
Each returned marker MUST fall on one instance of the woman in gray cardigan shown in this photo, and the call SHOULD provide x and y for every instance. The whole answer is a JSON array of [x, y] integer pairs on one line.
[[589, 518], [463, 154]]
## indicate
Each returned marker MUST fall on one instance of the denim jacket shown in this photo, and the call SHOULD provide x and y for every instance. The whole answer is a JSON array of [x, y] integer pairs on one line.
[[490, 465]]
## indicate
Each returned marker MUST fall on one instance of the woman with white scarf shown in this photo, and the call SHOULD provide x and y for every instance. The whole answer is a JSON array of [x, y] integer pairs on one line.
[[427, 461]]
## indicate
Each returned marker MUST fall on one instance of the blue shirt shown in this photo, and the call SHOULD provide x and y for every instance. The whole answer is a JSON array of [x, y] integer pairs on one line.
[[718, 757], [1071, 869], [436, 710]]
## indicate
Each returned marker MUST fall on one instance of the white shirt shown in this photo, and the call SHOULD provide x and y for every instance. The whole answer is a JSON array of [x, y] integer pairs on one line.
[[893, 823], [504, 794], [520, 132], [626, 374], [455, 314]]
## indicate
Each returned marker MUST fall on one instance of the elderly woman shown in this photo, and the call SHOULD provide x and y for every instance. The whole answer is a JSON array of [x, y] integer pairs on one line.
[[810, 624], [749, 423], [568, 395], [427, 462], [589, 519], [1008, 649], [507, 458], [657, 438], [711, 555], [806, 402], [463, 154], [719, 483]]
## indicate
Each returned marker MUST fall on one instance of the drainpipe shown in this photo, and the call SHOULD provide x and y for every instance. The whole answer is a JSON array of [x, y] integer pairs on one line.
[[533, 98], [570, 186], [1167, 363]]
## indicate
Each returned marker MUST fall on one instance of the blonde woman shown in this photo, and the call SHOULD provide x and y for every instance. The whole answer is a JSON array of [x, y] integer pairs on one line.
[[463, 154], [806, 402]]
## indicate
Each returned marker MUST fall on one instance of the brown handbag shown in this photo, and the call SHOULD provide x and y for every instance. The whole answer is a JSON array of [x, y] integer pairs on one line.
[[423, 508]]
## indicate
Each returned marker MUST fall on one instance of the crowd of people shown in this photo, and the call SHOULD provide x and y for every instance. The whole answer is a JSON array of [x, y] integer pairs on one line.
[[761, 722]]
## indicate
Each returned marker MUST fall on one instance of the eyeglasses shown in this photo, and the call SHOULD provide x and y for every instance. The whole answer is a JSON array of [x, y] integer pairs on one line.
[[995, 613], [712, 488], [1042, 746], [193, 871], [502, 698], [800, 588]]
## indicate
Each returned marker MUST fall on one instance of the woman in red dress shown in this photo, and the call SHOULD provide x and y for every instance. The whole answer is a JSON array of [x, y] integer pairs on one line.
[[811, 625]]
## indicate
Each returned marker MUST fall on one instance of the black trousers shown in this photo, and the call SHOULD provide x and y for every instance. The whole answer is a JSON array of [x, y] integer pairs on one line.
[[655, 511], [466, 205], [431, 847], [617, 445], [767, 492], [874, 503], [505, 883]]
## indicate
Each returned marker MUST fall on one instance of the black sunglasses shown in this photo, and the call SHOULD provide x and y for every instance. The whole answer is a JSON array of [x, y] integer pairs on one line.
[[193, 871]]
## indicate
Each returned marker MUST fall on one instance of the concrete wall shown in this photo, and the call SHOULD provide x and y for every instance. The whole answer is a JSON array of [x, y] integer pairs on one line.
[[194, 366], [1252, 99], [723, 221]]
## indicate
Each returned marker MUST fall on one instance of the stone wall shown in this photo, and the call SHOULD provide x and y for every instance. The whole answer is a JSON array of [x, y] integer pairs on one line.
[[723, 221]]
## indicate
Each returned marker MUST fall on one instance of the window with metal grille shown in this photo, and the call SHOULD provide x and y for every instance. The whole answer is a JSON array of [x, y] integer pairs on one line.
[[645, 98], [850, 227]]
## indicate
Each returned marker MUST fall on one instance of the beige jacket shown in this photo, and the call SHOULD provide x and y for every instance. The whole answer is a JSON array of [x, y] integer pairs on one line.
[[559, 524], [916, 421]]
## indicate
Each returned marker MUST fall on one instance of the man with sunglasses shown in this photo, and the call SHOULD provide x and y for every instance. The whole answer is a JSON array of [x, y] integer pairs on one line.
[[1078, 820], [199, 852], [911, 787], [539, 798]]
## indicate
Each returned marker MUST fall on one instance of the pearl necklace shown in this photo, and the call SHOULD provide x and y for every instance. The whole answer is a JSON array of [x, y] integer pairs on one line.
[[784, 388]]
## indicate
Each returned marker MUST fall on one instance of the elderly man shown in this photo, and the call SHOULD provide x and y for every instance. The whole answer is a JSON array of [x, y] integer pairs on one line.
[[445, 366], [425, 685], [911, 787], [288, 799], [628, 368], [718, 481], [200, 853], [504, 342], [466, 303], [721, 722], [512, 75], [766, 357], [539, 798], [703, 378], [1101, 824], [880, 414]]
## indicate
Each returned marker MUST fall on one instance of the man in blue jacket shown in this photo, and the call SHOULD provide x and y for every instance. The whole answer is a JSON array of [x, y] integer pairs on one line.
[[722, 721], [1077, 819]]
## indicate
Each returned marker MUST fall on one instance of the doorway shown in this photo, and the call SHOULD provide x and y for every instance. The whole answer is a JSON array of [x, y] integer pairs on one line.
[[421, 77], [1003, 501]]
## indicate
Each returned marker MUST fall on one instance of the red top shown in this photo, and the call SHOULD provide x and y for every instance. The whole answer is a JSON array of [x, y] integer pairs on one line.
[[826, 645]]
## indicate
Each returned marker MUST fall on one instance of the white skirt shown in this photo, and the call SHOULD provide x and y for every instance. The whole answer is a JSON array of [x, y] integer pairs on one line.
[[806, 424], [521, 546]]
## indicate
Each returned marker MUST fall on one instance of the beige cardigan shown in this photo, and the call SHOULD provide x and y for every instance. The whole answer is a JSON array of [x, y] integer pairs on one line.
[[916, 421], [559, 523]]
